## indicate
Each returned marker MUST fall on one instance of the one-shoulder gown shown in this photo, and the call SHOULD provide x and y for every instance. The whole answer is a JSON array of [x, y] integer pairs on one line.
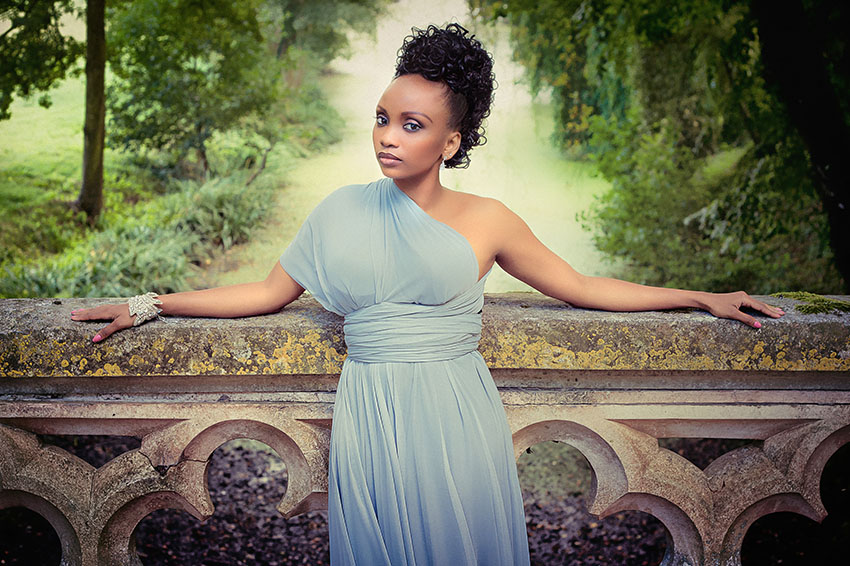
[[422, 469]]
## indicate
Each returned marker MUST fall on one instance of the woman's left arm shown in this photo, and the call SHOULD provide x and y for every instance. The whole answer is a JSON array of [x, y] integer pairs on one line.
[[522, 255]]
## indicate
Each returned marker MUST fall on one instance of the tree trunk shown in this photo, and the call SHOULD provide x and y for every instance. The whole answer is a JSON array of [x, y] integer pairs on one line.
[[287, 33], [793, 54], [202, 159], [91, 192]]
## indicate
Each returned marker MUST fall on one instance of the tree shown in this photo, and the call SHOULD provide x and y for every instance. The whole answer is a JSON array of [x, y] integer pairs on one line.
[[90, 199], [185, 69], [811, 75], [670, 90], [34, 54], [319, 26]]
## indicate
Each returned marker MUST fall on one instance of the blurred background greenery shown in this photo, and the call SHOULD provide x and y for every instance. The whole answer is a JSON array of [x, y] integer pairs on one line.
[[698, 144]]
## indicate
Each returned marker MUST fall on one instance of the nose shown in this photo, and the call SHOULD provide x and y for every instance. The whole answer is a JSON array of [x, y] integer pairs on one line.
[[386, 137]]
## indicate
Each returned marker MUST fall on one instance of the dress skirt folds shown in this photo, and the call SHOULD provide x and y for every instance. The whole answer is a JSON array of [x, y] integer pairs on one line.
[[422, 469]]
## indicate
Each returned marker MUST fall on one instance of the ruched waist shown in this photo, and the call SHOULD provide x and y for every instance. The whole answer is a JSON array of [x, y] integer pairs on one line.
[[403, 332]]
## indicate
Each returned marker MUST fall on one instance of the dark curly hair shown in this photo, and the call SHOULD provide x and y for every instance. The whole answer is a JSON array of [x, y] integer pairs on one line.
[[453, 57]]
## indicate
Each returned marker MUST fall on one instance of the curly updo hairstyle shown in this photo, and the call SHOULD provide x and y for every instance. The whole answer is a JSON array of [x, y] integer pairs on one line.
[[454, 57]]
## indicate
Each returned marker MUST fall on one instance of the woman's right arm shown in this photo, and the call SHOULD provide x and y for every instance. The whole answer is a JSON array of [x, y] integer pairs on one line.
[[246, 299]]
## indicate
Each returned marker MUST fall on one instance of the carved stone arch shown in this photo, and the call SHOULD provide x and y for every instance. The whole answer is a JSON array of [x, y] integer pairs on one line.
[[685, 545], [298, 497], [608, 477], [777, 503], [131, 476], [17, 447], [70, 542], [815, 465], [117, 544], [164, 446]]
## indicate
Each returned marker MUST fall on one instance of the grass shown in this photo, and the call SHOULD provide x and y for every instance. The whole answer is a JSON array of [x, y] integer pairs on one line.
[[44, 143], [554, 471], [41, 156]]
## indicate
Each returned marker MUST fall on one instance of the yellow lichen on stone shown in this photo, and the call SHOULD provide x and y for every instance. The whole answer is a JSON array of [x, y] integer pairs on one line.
[[514, 349], [307, 354], [202, 367], [107, 369]]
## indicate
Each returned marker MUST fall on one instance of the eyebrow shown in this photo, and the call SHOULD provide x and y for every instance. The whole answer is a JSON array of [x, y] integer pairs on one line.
[[408, 113]]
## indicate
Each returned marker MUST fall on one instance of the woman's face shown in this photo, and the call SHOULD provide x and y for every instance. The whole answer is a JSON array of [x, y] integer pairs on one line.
[[411, 135]]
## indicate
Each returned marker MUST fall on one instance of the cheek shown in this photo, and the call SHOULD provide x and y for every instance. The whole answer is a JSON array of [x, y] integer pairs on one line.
[[433, 147]]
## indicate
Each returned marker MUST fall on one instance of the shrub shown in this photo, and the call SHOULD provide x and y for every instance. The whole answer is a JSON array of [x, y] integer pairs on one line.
[[153, 248]]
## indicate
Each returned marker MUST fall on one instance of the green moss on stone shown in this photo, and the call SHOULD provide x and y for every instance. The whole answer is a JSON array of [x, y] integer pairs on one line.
[[813, 304]]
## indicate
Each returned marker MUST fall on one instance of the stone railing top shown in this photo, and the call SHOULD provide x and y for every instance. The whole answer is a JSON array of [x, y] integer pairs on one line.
[[521, 331]]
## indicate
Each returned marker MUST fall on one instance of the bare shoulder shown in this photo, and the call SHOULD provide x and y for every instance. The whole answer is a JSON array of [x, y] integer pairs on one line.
[[484, 209]]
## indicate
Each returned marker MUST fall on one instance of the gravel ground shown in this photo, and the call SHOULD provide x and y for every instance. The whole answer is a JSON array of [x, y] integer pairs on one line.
[[247, 480]]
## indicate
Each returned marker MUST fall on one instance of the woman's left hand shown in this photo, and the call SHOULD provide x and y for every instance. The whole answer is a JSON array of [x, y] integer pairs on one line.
[[729, 305]]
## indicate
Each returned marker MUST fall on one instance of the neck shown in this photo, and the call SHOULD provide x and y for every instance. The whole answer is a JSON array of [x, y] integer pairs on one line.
[[424, 189]]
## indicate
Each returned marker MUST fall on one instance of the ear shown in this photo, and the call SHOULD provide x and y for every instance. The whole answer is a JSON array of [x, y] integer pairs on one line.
[[452, 145]]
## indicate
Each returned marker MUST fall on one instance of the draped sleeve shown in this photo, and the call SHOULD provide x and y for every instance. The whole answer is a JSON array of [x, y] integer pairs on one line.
[[302, 259]]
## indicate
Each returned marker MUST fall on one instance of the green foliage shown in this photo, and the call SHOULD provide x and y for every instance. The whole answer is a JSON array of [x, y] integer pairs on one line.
[[36, 205], [182, 73], [152, 247], [219, 212], [657, 92], [737, 238], [319, 27], [814, 304], [309, 122], [565, 59], [33, 52], [43, 225]]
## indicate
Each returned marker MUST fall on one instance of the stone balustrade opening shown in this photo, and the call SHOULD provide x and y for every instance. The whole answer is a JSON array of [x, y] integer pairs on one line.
[[632, 393]]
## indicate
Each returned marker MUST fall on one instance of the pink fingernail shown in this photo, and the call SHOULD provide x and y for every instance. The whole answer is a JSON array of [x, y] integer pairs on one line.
[[97, 338], [757, 324]]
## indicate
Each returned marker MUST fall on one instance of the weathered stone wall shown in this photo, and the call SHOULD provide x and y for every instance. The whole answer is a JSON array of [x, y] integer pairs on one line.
[[610, 384]]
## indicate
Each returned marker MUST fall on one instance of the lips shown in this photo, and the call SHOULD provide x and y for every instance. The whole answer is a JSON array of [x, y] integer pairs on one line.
[[388, 158]]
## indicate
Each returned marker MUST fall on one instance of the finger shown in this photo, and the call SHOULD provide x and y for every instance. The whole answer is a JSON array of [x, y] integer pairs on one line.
[[765, 308], [97, 313], [745, 318], [108, 330], [749, 321]]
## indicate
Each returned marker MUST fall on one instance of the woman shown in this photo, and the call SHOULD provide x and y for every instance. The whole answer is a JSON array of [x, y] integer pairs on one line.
[[421, 465]]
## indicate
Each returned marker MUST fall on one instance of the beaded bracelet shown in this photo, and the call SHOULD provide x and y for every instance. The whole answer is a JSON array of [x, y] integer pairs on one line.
[[144, 308]]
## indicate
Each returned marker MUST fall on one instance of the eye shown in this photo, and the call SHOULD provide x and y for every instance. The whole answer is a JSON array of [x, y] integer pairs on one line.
[[381, 120], [412, 126]]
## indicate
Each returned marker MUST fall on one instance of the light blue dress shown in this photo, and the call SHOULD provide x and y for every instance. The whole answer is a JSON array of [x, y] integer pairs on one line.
[[422, 469]]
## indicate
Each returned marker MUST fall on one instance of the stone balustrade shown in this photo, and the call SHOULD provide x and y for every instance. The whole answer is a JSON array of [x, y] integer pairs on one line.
[[609, 384]]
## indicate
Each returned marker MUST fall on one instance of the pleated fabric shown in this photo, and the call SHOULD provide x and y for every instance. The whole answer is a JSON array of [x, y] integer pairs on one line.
[[421, 469]]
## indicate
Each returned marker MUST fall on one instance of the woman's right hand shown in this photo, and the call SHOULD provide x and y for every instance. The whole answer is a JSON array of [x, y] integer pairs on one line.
[[118, 314]]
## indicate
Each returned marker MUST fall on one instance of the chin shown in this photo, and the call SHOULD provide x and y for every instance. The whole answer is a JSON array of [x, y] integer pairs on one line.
[[393, 172], [389, 172]]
